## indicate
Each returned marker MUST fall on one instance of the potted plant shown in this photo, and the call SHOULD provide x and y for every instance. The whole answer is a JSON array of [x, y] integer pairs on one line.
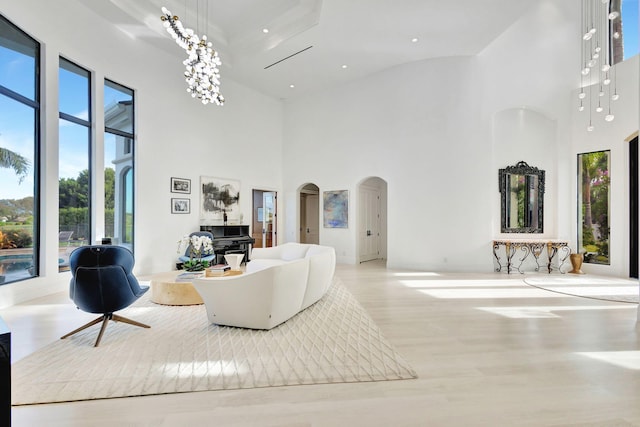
[[198, 246]]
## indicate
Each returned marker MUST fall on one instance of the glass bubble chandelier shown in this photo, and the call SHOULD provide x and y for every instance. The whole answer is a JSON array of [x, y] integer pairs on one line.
[[598, 74], [202, 73]]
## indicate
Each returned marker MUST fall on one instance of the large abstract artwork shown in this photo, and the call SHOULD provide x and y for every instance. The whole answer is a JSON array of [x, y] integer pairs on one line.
[[220, 200], [593, 206], [336, 209]]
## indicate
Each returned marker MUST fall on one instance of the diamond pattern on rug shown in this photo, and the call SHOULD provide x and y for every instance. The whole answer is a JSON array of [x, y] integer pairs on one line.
[[332, 341]]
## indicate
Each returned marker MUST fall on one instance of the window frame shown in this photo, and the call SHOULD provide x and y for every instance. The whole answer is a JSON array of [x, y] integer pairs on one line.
[[34, 104], [71, 66], [130, 144]]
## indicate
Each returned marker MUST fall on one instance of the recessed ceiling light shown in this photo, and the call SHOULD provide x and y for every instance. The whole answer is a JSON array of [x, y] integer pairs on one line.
[[414, 40], [265, 30], [344, 65], [292, 86]]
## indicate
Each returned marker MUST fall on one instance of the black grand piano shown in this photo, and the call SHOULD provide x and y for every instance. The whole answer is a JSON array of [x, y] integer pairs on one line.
[[230, 239]]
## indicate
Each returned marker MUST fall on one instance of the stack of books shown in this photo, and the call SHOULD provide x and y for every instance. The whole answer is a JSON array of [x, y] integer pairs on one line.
[[217, 270], [189, 276]]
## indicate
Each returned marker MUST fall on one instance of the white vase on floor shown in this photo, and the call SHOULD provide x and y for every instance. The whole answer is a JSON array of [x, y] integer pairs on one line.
[[576, 263]]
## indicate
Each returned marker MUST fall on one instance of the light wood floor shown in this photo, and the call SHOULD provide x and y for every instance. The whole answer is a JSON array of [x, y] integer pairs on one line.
[[489, 351]]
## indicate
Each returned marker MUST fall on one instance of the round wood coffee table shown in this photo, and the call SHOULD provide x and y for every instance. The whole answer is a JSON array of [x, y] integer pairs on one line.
[[166, 291]]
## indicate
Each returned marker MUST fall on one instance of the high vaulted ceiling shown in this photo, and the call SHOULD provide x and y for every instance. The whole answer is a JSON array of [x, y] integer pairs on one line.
[[317, 44]]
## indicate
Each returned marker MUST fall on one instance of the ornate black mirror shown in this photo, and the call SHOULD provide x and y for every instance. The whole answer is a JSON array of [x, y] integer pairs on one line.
[[522, 197]]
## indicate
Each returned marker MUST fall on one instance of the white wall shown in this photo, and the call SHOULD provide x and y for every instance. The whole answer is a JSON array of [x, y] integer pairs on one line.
[[413, 126], [176, 135], [429, 129], [438, 131], [528, 73], [534, 68]]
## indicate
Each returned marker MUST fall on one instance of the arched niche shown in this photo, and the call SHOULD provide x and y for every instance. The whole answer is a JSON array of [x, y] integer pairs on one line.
[[309, 213]]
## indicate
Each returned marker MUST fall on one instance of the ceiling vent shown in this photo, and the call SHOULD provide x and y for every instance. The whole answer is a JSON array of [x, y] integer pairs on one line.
[[290, 56]]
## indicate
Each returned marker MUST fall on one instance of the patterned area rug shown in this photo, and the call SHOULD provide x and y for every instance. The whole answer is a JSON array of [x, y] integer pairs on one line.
[[332, 341], [588, 286]]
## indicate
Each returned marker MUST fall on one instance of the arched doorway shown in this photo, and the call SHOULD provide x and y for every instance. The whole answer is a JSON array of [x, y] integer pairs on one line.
[[309, 214], [372, 219]]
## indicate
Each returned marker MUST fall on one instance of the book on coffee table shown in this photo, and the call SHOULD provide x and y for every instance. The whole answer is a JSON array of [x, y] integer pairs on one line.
[[189, 276], [218, 270]]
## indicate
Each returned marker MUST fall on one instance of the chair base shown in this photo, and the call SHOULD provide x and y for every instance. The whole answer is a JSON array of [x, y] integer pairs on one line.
[[105, 319]]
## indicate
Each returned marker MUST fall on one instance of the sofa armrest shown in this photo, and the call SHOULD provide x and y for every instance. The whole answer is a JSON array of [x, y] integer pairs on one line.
[[242, 300], [322, 264], [259, 300]]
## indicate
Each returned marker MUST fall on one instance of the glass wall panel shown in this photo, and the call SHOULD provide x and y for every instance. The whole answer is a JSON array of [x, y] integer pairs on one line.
[[19, 59], [629, 27], [74, 175], [127, 203], [19, 143], [594, 206], [119, 163], [118, 103], [74, 190], [75, 89], [623, 30], [109, 183]]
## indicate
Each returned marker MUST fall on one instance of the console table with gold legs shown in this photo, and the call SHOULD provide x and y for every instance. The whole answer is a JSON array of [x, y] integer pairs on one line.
[[555, 250]]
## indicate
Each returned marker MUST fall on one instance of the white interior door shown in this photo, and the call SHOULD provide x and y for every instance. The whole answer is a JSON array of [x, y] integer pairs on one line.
[[303, 218], [312, 219], [369, 224]]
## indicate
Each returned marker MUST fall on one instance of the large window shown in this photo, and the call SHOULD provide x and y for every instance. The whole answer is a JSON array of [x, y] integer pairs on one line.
[[73, 164], [594, 206], [19, 145], [119, 145], [624, 30]]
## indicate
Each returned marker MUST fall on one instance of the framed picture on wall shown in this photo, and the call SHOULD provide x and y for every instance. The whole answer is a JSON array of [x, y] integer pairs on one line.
[[219, 200], [180, 206], [336, 209], [181, 185]]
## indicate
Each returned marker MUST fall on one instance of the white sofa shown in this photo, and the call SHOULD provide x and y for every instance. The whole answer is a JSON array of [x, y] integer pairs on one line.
[[278, 283]]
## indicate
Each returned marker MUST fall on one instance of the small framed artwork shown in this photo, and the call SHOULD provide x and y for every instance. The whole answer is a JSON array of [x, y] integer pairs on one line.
[[180, 206], [336, 209], [181, 185]]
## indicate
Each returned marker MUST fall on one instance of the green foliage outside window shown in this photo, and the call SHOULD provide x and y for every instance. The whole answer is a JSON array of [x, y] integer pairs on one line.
[[16, 237], [74, 205], [595, 183]]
